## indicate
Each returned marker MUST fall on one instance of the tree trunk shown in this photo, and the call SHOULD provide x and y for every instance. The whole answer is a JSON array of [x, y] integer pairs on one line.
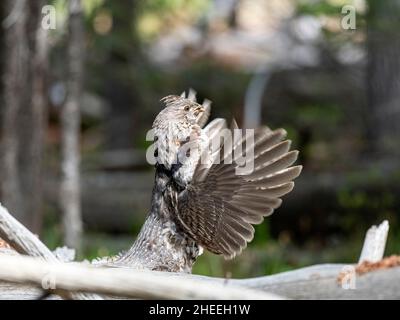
[[32, 118], [24, 115], [39, 118], [384, 76], [70, 119], [14, 83]]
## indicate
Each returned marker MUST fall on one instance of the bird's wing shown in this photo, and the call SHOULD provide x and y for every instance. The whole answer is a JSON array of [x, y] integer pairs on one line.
[[220, 205]]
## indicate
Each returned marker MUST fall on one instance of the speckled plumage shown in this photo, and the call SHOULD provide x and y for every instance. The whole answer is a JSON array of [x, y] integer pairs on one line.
[[210, 205], [161, 244]]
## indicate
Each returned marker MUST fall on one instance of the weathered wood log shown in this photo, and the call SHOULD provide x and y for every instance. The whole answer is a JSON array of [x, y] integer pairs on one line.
[[118, 282], [24, 242], [321, 282], [315, 282], [21, 239]]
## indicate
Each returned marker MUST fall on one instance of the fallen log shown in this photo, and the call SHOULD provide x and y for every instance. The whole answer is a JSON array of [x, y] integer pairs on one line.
[[27, 278], [315, 282], [125, 282]]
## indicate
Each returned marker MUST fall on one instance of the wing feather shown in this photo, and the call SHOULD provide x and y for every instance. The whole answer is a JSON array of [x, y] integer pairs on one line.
[[219, 206]]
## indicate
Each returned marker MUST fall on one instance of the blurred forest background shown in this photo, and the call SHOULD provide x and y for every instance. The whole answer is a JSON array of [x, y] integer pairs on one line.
[[78, 99]]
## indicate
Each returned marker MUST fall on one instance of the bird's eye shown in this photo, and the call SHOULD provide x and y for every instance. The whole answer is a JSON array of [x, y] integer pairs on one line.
[[187, 108]]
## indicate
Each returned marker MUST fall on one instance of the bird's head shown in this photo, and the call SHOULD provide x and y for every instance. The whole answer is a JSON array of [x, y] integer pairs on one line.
[[177, 124], [179, 110]]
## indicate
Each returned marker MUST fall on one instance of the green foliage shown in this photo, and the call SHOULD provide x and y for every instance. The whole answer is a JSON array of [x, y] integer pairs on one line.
[[89, 6], [156, 16], [324, 7], [51, 234], [102, 245], [262, 234], [321, 115]]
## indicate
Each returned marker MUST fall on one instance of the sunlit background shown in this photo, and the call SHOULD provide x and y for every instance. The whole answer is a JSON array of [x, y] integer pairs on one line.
[[283, 63]]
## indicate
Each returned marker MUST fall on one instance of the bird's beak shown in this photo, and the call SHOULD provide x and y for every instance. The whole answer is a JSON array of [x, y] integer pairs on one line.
[[198, 111]]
